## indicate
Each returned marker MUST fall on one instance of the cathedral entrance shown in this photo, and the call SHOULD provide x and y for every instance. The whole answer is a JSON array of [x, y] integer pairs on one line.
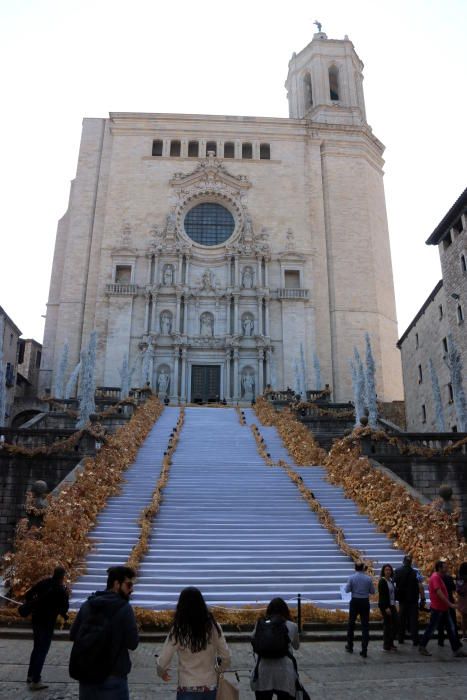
[[205, 383]]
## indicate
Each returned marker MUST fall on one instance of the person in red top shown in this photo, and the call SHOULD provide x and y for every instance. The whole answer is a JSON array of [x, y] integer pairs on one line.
[[440, 605]]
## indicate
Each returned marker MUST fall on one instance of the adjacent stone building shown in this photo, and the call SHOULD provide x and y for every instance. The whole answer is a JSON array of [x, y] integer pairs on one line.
[[427, 338], [9, 336], [210, 250]]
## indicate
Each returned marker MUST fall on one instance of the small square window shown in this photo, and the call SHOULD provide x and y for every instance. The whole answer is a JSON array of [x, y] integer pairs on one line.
[[193, 149], [247, 150], [175, 149], [123, 274], [229, 150], [292, 279], [157, 147], [265, 151], [211, 146]]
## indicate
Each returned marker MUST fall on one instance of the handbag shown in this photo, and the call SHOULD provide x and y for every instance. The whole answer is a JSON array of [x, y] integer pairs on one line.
[[227, 687]]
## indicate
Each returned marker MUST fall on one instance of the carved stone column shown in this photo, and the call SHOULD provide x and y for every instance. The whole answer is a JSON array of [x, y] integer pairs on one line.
[[174, 388], [146, 312], [266, 308], [177, 313], [259, 281], [148, 275], [236, 387], [183, 387], [260, 315], [266, 277], [236, 315], [157, 274], [268, 365], [260, 388], [180, 266], [187, 270], [237, 272], [226, 376]]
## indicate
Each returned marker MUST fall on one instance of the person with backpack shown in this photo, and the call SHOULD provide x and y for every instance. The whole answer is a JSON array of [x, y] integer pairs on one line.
[[274, 637], [46, 600], [199, 643], [102, 633]]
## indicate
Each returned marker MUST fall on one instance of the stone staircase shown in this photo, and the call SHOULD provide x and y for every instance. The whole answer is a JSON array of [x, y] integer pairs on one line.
[[228, 523]]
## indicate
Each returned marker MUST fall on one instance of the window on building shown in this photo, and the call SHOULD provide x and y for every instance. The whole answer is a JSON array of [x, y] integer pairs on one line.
[[175, 148], [9, 374], [463, 264], [123, 274], [457, 227], [420, 374], [308, 91], [423, 413], [21, 349], [265, 151], [447, 241], [460, 314], [445, 344], [38, 359], [157, 147], [229, 149], [416, 341], [292, 279], [440, 309], [211, 146], [334, 83], [450, 393], [247, 150], [454, 429], [193, 149]]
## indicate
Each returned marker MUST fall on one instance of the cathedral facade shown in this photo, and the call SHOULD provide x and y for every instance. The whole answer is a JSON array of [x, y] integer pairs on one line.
[[217, 255]]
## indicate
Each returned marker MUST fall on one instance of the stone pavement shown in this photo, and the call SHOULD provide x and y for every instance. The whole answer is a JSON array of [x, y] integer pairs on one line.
[[326, 670]]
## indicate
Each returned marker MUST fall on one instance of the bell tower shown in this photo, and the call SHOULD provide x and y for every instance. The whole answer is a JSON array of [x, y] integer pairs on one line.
[[325, 82]]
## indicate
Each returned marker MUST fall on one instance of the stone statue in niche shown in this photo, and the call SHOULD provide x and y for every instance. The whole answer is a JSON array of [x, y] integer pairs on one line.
[[163, 381], [166, 322], [248, 386], [168, 275], [248, 229], [290, 244], [206, 323], [248, 325], [247, 277], [207, 280]]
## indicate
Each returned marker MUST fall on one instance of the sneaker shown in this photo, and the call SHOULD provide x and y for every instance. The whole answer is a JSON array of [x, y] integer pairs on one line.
[[460, 653], [423, 651], [349, 649], [37, 686]]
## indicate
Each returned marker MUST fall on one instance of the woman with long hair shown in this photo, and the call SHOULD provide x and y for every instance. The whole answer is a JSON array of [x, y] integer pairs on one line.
[[275, 675], [387, 606], [198, 641]]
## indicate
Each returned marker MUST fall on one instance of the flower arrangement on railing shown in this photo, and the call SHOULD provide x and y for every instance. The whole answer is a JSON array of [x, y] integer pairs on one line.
[[297, 438], [97, 432], [423, 531], [323, 412], [261, 445], [241, 415], [63, 539], [150, 511], [404, 448], [327, 520], [112, 410]]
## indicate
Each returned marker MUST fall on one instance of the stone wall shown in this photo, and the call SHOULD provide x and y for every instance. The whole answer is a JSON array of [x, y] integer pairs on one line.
[[17, 474]]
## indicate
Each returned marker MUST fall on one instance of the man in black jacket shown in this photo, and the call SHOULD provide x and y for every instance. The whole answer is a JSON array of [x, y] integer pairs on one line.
[[407, 593], [107, 615], [47, 599]]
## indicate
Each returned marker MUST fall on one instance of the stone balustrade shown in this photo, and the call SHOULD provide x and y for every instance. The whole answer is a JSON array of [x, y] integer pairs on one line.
[[121, 289], [291, 294]]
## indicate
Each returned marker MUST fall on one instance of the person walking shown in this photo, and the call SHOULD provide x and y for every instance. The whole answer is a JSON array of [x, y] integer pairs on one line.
[[461, 591], [451, 589], [408, 594], [387, 606], [440, 605], [198, 641], [102, 633], [47, 600], [360, 586], [273, 639]]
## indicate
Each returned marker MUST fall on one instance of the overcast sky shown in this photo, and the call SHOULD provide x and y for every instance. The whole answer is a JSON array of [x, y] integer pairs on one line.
[[64, 60]]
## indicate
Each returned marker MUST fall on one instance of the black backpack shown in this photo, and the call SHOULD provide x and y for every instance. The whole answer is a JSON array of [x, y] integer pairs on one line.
[[271, 638], [91, 658]]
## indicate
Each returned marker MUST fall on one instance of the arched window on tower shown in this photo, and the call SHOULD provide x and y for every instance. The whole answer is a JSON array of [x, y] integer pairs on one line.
[[334, 83], [308, 91]]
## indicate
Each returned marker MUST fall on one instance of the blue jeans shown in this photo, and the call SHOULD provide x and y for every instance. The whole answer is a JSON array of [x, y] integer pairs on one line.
[[207, 695], [42, 635], [435, 618], [113, 688]]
